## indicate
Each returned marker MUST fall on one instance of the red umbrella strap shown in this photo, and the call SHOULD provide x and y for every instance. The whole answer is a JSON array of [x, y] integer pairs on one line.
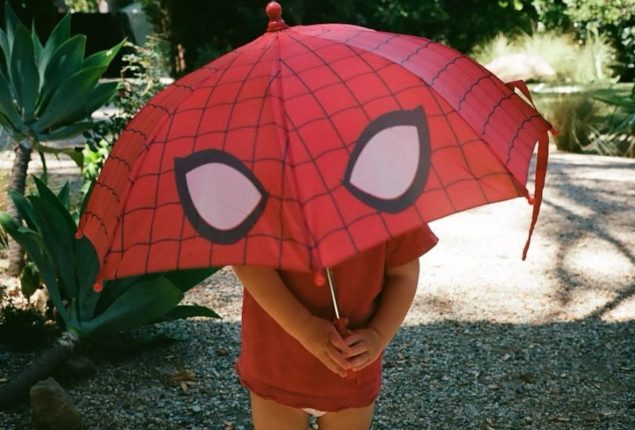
[[541, 173], [522, 87]]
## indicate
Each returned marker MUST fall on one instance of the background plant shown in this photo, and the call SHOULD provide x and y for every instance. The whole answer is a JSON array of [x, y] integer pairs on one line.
[[86, 6], [68, 267], [619, 139], [22, 326], [143, 75], [573, 62], [575, 116], [613, 19], [592, 119], [200, 31], [47, 92]]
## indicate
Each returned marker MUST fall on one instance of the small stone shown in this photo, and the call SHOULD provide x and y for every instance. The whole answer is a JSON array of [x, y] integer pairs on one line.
[[52, 408]]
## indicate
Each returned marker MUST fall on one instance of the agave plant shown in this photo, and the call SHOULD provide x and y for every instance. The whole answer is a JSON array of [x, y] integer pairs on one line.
[[68, 267], [47, 92], [620, 139]]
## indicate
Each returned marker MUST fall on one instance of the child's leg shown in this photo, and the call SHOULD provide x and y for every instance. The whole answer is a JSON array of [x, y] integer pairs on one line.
[[270, 415], [348, 419]]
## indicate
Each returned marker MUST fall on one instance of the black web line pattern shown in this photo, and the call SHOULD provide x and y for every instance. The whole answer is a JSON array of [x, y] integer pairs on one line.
[[361, 106], [307, 149], [219, 78]]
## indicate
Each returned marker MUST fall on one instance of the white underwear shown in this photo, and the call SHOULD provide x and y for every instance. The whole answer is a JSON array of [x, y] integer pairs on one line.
[[314, 412]]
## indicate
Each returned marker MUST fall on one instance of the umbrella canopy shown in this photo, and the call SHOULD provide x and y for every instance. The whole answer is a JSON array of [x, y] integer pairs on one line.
[[306, 146]]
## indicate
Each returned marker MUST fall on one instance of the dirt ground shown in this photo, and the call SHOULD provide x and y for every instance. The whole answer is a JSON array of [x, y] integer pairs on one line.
[[491, 342]]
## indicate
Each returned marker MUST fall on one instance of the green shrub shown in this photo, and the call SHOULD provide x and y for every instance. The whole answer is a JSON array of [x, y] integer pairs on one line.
[[619, 137], [142, 77], [198, 30], [614, 19], [86, 6], [22, 326], [575, 118], [572, 61], [68, 268], [597, 120]]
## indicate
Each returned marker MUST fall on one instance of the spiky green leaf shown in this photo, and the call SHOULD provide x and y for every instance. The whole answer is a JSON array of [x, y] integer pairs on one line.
[[49, 196], [86, 269], [64, 133], [32, 243], [103, 58], [11, 20], [8, 107], [66, 61], [69, 99], [37, 45], [24, 209], [58, 241], [8, 127], [141, 304], [114, 288], [187, 279], [29, 279], [190, 311], [74, 153], [5, 46], [23, 72], [64, 196], [626, 103], [100, 96], [60, 34]]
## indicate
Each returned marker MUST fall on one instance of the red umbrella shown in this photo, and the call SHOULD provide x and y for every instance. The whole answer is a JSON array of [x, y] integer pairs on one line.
[[305, 147]]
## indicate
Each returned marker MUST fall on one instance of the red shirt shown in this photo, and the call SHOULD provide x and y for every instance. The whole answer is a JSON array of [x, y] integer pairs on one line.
[[275, 366]]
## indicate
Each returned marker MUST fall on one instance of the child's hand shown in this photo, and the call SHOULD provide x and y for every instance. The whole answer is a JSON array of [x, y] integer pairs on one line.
[[365, 346], [320, 338]]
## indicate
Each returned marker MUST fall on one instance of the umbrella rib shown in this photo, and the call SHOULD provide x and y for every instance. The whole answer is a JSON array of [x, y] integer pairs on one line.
[[324, 183], [452, 61], [183, 220], [288, 154], [396, 99], [361, 106]]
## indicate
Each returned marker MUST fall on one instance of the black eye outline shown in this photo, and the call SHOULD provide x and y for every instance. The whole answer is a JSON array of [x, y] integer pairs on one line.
[[415, 117], [226, 237]]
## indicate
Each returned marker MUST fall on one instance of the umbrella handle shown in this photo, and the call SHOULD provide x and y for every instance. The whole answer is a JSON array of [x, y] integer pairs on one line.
[[340, 322], [341, 325]]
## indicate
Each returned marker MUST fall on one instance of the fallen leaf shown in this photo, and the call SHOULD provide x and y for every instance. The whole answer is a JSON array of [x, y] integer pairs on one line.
[[184, 378]]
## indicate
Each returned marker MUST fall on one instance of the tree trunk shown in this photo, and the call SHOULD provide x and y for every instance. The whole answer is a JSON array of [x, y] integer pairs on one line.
[[18, 183], [18, 388]]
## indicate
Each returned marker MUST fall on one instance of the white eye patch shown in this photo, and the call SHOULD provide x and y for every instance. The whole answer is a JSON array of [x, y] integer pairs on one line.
[[221, 197], [389, 164]]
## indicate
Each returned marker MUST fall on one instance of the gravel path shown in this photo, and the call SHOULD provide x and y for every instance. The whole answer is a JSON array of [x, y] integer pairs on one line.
[[490, 343]]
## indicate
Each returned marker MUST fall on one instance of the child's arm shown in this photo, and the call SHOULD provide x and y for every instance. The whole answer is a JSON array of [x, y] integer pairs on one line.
[[396, 297], [317, 335]]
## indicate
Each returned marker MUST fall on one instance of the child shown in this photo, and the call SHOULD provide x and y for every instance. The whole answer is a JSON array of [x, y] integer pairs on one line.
[[294, 361]]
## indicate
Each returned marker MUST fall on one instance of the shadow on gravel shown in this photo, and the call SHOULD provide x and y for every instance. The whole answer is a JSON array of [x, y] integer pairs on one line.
[[443, 376], [593, 211], [576, 375]]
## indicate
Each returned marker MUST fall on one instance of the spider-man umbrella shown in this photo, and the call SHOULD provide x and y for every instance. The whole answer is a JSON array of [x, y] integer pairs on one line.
[[305, 147]]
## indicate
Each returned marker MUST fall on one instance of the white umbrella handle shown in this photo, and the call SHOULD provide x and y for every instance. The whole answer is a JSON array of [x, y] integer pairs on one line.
[[329, 276]]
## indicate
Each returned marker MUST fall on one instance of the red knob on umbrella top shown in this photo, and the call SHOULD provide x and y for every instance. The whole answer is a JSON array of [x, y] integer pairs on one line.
[[274, 13]]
